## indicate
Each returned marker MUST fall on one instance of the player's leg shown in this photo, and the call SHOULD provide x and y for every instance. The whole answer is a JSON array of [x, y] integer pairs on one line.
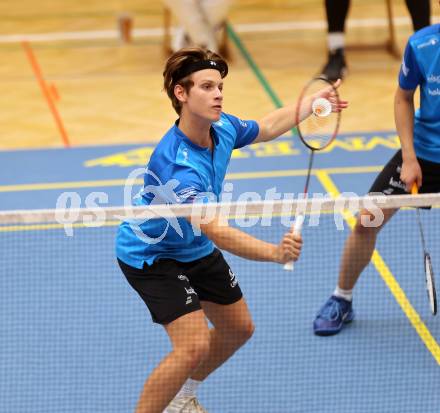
[[420, 11], [360, 244], [173, 303], [222, 301], [336, 12], [189, 336], [233, 326], [358, 249], [194, 22], [216, 11]]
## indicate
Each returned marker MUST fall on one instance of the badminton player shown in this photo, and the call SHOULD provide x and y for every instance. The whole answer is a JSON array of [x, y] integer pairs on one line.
[[417, 162], [184, 279]]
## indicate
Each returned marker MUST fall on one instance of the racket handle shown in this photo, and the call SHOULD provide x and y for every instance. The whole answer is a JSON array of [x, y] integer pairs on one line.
[[297, 227], [414, 189]]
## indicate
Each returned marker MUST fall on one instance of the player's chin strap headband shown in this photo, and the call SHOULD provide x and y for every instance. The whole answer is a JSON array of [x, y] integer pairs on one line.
[[192, 67]]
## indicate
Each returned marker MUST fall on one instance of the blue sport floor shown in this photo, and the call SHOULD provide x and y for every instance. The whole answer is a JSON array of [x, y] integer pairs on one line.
[[75, 338]]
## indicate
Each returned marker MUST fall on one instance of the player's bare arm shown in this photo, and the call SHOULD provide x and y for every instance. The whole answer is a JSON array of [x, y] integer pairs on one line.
[[244, 245]]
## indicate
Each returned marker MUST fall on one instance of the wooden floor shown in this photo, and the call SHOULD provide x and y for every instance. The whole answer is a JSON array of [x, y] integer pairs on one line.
[[107, 92]]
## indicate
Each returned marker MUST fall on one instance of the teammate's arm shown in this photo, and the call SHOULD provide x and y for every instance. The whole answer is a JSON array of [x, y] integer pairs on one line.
[[404, 118]]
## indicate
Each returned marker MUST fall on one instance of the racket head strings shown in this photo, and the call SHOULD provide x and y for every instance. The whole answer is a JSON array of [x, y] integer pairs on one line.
[[318, 130]]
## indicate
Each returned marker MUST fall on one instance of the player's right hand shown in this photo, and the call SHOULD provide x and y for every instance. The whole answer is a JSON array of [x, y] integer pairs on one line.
[[289, 248], [411, 174]]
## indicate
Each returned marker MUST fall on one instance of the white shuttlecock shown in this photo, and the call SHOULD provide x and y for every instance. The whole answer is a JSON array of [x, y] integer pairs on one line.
[[321, 107]]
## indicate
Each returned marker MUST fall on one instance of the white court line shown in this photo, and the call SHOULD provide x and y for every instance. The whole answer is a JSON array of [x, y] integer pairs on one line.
[[158, 32]]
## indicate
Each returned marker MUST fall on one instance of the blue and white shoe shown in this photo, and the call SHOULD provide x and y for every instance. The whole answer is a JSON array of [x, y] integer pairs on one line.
[[332, 316]]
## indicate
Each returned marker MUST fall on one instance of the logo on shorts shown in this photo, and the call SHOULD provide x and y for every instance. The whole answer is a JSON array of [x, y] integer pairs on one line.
[[190, 291], [234, 280], [397, 184], [182, 277]]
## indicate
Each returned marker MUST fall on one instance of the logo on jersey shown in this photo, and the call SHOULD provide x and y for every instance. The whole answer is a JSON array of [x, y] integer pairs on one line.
[[186, 194], [430, 42], [185, 154], [405, 69], [434, 92], [433, 78]]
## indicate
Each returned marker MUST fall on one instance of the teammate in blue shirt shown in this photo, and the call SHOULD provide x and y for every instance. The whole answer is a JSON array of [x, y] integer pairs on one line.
[[418, 162], [180, 274]]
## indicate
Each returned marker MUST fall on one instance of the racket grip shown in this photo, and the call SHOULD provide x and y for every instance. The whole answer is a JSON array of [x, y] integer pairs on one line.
[[297, 227], [414, 189]]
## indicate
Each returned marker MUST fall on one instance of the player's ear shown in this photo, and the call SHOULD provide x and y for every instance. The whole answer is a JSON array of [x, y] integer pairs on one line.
[[180, 93]]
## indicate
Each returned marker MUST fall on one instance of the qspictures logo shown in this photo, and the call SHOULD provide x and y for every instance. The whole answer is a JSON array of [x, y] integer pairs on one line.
[[153, 225], [160, 194]]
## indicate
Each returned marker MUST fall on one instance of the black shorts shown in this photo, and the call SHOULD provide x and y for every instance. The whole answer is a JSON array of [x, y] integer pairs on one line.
[[173, 288], [388, 181]]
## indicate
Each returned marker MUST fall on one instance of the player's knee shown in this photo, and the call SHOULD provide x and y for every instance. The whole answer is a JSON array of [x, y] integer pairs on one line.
[[245, 331], [249, 330], [195, 351], [367, 226]]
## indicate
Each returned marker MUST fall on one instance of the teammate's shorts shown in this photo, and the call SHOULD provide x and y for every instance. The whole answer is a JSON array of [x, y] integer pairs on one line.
[[388, 181]]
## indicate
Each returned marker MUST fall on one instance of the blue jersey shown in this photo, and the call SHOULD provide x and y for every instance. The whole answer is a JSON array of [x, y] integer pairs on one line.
[[421, 67], [179, 171]]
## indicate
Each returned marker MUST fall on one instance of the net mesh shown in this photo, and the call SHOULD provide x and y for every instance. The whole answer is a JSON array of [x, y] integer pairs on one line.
[[75, 337]]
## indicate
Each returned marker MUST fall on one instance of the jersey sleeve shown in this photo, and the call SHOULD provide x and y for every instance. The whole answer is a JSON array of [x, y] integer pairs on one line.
[[409, 76], [247, 131]]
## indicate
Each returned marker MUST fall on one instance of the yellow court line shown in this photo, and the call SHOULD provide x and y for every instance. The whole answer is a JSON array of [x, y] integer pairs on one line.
[[64, 185], [232, 176], [389, 279], [41, 227]]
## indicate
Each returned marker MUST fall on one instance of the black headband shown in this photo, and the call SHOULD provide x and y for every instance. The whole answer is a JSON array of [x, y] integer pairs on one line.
[[192, 67]]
